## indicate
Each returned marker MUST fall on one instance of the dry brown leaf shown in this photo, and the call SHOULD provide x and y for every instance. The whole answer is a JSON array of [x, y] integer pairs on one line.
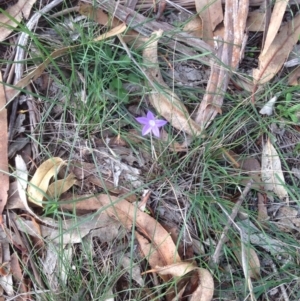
[[252, 260], [80, 203], [294, 77], [4, 179], [98, 15], [253, 168], [60, 186], [109, 186], [211, 14], [205, 289], [163, 99], [271, 62], [262, 211], [287, 219], [194, 27], [129, 215], [13, 15], [113, 32], [175, 146], [134, 270], [38, 242], [39, 183], [82, 170], [271, 172], [150, 253], [18, 277], [21, 174], [176, 269], [256, 20], [275, 22], [73, 229], [12, 92], [14, 201]]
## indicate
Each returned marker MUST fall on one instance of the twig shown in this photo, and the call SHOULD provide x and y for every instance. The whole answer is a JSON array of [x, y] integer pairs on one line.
[[216, 256]]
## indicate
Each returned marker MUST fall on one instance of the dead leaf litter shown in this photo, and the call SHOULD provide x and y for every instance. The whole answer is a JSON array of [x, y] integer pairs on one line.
[[199, 204]]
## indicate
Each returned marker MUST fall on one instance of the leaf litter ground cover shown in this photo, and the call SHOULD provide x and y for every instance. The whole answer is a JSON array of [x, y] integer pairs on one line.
[[149, 150]]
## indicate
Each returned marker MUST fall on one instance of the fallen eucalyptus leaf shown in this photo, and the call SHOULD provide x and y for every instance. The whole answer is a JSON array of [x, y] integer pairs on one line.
[[39, 183], [272, 61], [205, 288], [129, 215], [13, 15], [274, 24], [60, 186], [21, 174], [271, 171]]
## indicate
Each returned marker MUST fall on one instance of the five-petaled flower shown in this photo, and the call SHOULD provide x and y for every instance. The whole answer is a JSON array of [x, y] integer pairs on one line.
[[151, 124]]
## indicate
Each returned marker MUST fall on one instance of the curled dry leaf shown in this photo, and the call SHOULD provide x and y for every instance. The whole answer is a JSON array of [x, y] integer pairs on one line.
[[39, 183], [151, 253], [60, 186], [163, 99], [272, 61], [130, 215], [22, 181], [13, 15], [205, 289], [271, 171]]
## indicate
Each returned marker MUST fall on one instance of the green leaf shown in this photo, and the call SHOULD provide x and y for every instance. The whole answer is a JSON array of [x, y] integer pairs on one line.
[[124, 60], [294, 118], [116, 84], [123, 95], [295, 108], [288, 98], [132, 78]]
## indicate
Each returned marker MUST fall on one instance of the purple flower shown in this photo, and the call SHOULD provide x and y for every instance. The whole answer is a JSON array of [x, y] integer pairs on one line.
[[151, 124]]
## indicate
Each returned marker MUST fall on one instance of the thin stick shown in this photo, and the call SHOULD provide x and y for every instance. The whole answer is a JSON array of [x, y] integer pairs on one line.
[[216, 256]]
